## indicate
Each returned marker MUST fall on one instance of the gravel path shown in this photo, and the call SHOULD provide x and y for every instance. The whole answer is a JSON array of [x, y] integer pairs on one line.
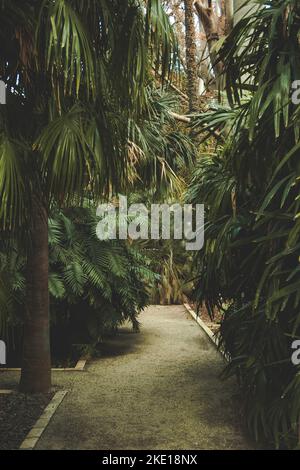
[[159, 389]]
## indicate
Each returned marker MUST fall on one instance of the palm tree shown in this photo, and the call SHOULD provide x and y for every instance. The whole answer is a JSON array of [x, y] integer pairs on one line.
[[191, 55], [75, 73]]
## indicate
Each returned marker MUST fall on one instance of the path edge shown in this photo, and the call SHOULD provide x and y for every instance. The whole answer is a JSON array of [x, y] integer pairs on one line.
[[80, 367], [41, 424], [212, 337]]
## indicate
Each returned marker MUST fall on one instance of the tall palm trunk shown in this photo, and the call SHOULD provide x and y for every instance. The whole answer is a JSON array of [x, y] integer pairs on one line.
[[36, 367], [191, 55], [229, 16]]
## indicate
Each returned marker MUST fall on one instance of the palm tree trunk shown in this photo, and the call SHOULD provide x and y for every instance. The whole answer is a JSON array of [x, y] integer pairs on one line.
[[191, 55], [36, 367], [229, 16]]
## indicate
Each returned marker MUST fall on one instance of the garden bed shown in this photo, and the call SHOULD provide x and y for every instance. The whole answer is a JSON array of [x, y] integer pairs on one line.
[[18, 414], [212, 323]]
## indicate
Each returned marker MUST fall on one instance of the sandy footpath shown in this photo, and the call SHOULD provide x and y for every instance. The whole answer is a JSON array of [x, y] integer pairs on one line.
[[159, 389]]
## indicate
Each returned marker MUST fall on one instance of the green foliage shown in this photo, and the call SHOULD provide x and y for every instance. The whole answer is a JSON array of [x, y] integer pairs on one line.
[[83, 119], [173, 266], [159, 148], [161, 154], [251, 192], [12, 290], [76, 73], [95, 286], [108, 279]]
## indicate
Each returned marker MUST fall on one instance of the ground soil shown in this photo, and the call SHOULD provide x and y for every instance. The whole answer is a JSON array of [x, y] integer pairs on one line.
[[18, 414]]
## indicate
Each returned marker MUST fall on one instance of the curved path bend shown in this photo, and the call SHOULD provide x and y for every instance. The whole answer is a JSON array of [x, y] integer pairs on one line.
[[160, 389]]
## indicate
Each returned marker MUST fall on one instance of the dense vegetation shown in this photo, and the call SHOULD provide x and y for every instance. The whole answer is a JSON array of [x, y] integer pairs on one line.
[[77, 73], [93, 111], [250, 265], [94, 286]]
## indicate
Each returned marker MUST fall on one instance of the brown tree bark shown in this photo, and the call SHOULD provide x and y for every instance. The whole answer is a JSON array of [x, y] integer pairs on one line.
[[210, 23], [36, 367], [191, 55]]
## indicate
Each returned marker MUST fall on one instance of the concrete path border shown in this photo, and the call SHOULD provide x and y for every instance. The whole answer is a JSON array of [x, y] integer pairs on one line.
[[213, 338], [80, 367], [41, 424]]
